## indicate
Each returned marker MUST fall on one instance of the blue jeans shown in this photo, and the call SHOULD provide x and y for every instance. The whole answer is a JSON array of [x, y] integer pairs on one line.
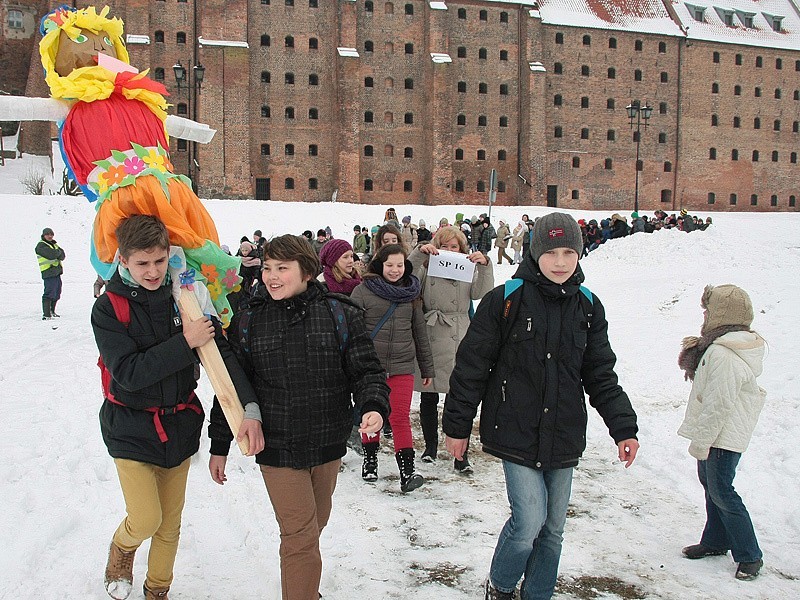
[[530, 542], [728, 524]]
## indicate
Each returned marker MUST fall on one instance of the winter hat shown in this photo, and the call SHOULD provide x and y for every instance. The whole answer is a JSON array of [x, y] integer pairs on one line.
[[406, 219], [726, 305], [634, 215], [421, 223], [684, 212], [459, 217], [47, 231], [556, 230], [374, 230], [332, 251], [357, 229], [474, 219], [443, 222], [320, 232]]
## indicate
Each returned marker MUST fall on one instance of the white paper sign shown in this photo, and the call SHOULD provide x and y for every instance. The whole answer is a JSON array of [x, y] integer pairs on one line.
[[451, 265]]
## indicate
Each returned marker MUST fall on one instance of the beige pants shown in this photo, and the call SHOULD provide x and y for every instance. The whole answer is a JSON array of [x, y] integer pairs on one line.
[[154, 499], [301, 499]]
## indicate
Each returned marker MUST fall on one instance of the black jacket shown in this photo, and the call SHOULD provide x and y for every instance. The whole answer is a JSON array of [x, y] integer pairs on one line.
[[304, 382], [531, 375], [152, 366]]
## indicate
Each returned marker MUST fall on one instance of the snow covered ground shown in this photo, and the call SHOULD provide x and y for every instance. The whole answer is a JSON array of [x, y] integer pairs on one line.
[[60, 499]]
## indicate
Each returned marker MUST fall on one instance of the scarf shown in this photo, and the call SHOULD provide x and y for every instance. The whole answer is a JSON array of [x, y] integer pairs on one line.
[[345, 286], [693, 348], [406, 290]]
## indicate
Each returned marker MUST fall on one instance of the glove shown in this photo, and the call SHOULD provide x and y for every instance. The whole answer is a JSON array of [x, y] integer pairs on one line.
[[698, 451]]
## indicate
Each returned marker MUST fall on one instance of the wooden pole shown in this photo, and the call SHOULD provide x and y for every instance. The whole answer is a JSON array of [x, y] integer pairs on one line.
[[216, 371]]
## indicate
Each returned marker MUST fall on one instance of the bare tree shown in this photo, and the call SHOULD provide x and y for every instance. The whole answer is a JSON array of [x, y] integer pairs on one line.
[[33, 180]]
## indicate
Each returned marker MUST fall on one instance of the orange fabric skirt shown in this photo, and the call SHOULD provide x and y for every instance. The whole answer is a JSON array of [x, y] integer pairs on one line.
[[187, 220]]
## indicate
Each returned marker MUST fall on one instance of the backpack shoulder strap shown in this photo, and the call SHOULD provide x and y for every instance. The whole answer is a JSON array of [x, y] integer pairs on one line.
[[339, 322], [383, 320], [122, 307], [587, 301]]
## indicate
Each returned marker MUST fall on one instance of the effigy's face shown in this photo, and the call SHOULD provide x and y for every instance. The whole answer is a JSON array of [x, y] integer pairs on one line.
[[82, 51]]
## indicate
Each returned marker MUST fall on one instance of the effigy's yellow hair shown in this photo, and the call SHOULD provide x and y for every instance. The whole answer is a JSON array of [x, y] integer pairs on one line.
[[89, 83]]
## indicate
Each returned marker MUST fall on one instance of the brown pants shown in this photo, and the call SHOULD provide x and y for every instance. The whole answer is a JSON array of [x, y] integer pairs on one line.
[[154, 499], [302, 500], [501, 253]]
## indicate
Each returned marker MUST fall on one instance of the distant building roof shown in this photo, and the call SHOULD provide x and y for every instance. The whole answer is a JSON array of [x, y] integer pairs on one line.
[[641, 16], [766, 23]]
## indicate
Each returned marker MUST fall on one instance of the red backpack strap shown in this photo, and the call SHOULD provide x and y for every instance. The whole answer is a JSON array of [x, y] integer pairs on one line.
[[122, 307], [122, 310]]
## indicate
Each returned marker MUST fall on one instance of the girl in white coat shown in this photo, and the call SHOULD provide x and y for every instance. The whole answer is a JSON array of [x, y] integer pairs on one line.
[[722, 412]]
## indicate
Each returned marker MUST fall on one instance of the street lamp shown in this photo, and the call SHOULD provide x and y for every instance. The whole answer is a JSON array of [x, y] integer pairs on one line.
[[196, 74], [640, 113]]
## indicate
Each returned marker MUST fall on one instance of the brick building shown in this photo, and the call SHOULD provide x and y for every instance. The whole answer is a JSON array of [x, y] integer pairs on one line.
[[414, 101]]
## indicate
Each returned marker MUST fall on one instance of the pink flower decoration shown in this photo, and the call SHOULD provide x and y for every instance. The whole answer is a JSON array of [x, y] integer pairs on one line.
[[134, 165], [231, 278]]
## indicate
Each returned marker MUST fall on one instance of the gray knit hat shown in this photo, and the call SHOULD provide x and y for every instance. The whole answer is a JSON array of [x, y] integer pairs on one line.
[[726, 305], [556, 230]]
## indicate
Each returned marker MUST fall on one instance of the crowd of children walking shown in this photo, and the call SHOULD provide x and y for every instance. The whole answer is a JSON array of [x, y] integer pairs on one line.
[[330, 336]]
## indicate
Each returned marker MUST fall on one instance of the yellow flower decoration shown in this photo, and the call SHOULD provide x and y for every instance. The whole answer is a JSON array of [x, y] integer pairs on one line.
[[154, 160], [215, 290]]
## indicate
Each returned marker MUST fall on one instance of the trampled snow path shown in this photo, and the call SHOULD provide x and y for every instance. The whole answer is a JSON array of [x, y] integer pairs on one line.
[[60, 499]]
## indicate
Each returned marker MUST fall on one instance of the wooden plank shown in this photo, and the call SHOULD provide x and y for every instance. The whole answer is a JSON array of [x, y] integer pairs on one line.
[[216, 371]]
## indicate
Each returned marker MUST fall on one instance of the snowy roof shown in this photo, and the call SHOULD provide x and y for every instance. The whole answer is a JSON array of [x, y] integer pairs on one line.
[[437, 5], [641, 16], [227, 43], [749, 22], [441, 57], [351, 52]]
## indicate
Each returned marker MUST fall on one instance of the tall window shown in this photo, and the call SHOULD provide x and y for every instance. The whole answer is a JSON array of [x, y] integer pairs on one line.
[[313, 79], [288, 41], [289, 112], [313, 43], [288, 149], [558, 68], [482, 53], [265, 40], [313, 183], [408, 152]]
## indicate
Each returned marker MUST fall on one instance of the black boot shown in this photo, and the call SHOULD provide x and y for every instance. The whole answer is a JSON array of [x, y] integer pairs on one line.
[[429, 419], [53, 309], [409, 478], [46, 309], [369, 470]]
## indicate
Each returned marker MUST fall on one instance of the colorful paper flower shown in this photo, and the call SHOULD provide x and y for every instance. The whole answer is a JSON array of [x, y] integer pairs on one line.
[[154, 160], [209, 272], [134, 165], [231, 278], [187, 278], [114, 175], [215, 290], [176, 262]]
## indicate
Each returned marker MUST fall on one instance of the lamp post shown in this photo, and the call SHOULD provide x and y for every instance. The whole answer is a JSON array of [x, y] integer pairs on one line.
[[639, 113], [195, 76]]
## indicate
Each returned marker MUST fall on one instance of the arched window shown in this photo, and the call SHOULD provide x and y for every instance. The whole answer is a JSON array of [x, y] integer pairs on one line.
[[265, 41], [501, 155], [313, 150], [576, 162], [609, 164], [408, 118], [313, 114], [612, 43], [408, 186], [409, 9], [481, 120], [734, 154], [369, 7], [288, 41], [504, 89], [504, 17], [409, 48], [776, 125], [408, 152], [265, 113], [558, 68], [584, 101], [369, 150], [369, 46], [459, 154], [409, 83], [482, 53], [503, 121], [313, 79], [483, 88], [712, 154], [585, 70], [461, 52], [462, 13], [289, 183], [459, 185], [612, 73], [774, 156], [368, 82], [611, 135], [289, 112], [288, 149], [715, 88], [288, 78], [368, 117], [559, 38], [312, 183], [368, 185], [313, 43], [585, 133], [714, 120], [558, 100], [483, 15], [662, 47], [264, 149], [587, 40], [265, 77], [461, 119], [637, 75], [159, 37], [481, 154]]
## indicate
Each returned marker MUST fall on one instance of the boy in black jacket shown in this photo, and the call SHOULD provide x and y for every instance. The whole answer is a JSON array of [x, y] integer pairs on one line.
[[151, 418], [529, 357], [307, 352]]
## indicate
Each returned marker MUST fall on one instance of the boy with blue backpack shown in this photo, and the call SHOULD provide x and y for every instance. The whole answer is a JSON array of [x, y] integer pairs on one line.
[[533, 348]]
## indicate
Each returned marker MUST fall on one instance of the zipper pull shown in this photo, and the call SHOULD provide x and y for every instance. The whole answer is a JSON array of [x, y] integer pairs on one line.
[[529, 323]]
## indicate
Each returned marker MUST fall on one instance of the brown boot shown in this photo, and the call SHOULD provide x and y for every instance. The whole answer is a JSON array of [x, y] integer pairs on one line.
[[119, 572], [155, 594]]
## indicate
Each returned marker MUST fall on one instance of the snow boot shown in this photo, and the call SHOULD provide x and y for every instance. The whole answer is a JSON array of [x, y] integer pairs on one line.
[[463, 466], [409, 478], [156, 593], [369, 470], [46, 309], [53, 309], [696, 551], [119, 572], [429, 420], [747, 571], [494, 594]]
